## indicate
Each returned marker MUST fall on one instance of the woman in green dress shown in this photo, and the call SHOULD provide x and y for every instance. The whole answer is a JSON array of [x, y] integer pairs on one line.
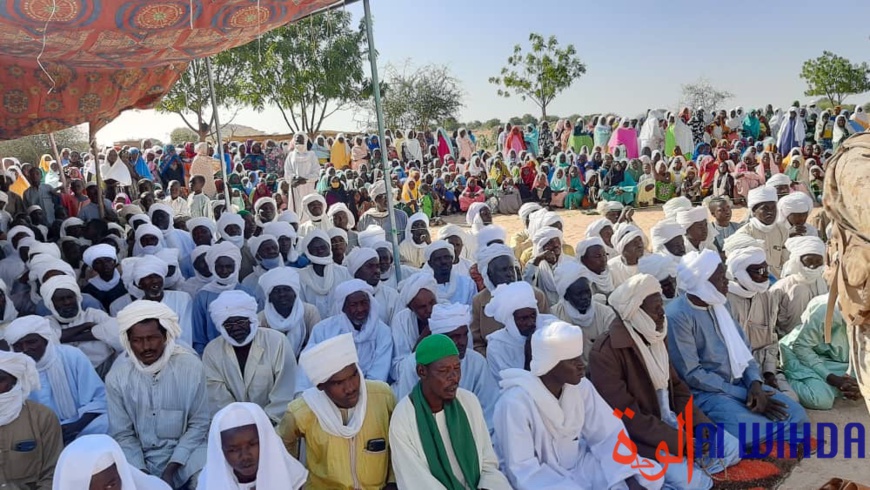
[[618, 185], [575, 193], [666, 188]]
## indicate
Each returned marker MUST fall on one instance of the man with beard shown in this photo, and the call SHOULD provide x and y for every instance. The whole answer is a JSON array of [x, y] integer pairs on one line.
[[452, 286], [364, 263], [576, 307]]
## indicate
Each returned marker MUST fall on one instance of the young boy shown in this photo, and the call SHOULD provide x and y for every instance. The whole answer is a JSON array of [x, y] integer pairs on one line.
[[199, 203]]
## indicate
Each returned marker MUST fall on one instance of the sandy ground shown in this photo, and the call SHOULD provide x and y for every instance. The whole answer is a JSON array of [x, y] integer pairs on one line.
[[811, 473]]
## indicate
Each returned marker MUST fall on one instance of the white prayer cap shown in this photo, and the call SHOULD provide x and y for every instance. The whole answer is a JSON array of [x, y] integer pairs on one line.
[[347, 288], [776, 180], [38, 248], [26, 325], [567, 273], [805, 245], [59, 282], [279, 229], [448, 317], [760, 195], [288, 217], [379, 188], [282, 276], [489, 234], [527, 209], [688, 217], [161, 207], [542, 237], [450, 230], [508, 298], [359, 256], [605, 207], [794, 203], [594, 228], [438, 245], [411, 287], [209, 223], [665, 231], [228, 219], [99, 251], [486, 255], [341, 207], [738, 241], [22, 368], [584, 245], [675, 205], [627, 298], [553, 343], [370, 235], [337, 232], [321, 361], [625, 234], [223, 249], [255, 242], [657, 265], [696, 268], [233, 303]]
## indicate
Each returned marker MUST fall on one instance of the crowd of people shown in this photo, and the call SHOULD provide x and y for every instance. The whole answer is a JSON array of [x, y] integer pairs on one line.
[[187, 332]]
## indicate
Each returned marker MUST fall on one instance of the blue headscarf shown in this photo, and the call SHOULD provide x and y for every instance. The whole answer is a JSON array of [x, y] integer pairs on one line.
[[140, 165]]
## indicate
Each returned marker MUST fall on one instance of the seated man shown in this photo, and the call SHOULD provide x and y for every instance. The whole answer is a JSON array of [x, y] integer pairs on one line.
[[267, 256], [603, 228], [664, 269], [818, 369], [411, 323], [546, 257], [417, 238], [353, 313], [802, 280], [630, 244], [793, 211], [243, 443], [696, 222], [30, 435], [91, 330], [68, 383], [320, 278], [576, 307], [452, 320], [515, 307], [364, 263], [497, 265], [668, 239], [592, 255], [720, 209], [438, 434], [247, 363], [314, 207], [453, 287], [145, 280], [631, 370], [158, 407], [553, 430], [344, 420], [711, 355], [454, 235], [284, 310], [106, 286], [97, 461], [521, 241], [754, 308], [763, 226]]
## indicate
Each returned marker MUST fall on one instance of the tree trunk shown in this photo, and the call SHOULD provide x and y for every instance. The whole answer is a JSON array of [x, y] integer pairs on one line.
[[543, 112]]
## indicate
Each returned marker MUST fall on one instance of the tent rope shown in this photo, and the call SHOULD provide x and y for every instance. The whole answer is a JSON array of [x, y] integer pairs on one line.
[[44, 43]]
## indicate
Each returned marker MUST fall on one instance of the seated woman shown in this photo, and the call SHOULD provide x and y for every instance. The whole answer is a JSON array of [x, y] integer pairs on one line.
[[541, 192], [618, 185], [473, 193], [666, 186], [691, 187], [723, 181], [411, 195], [646, 186], [558, 188], [575, 192], [448, 202]]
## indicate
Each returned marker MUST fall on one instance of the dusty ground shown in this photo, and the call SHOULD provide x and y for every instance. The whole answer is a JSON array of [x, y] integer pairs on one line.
[[811, 473]]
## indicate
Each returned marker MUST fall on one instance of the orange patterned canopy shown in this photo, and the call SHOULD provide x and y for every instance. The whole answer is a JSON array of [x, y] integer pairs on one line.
[[102, 57]]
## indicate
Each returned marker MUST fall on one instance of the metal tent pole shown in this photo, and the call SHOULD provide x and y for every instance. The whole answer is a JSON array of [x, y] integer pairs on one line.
[[217, 131], [394, 233]]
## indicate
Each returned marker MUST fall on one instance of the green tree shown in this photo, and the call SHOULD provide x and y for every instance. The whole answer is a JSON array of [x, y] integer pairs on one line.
[[30, 149], [190, 97], [417, 97], [179, 136], [515, 121], [492, 123], [835, 77], [540, 74], [450, 124], [308, 69]]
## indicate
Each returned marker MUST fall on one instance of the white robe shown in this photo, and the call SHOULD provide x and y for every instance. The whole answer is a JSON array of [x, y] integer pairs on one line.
[[620, 271], [409, 460], [304, 165], [178, 301], [600, 324], [460, 289], [309, 226], [405, 333], [388, 300], [321, 300], [539, 457], [105, 331], [411, 254], [269, 378], [504, 352]]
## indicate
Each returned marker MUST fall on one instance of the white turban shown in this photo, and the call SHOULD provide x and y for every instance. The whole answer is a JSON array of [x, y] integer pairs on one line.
[[657, 265], [337, 232], [450, 230], [569, 272], [279, 229], [139, 311], [17, 230], [359, 256], [541, 219], [268, 200], [625, 234], [90, 454], [311, 198], [411, 287], [738, 241], [542, 237], [26, 325], [675, 205], [228, 219], [148, 265], [280, 277], [594, 228], [341, 207], [688, 217], [99, 251], [379, 188], [584, 245], [416, 217], [508, 298], [448, 317], [22, 368], [760, 195], [69, 222], [146, 229], [527, 209], [473, 212], [605, 207], [321, 361], [370, 235], [223, 249], [794, 203], [41, 264], [776, 180], [742, 285], [438, 245], [209, 223], [230, 304], [798, 247], [693, 276], [489, 234], [486, 255], [292, 325], [347, 288], [256, 241], [553, 343], [50, 286], [143, 218], [303, 247], [161, 207], [288, 217], [40, 248], [665, 231]]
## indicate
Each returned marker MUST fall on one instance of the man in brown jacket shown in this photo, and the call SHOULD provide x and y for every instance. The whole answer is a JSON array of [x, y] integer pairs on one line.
[[497, 265], [630, 368]]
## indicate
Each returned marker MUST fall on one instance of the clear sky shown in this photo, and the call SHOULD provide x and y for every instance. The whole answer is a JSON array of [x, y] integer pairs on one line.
[[637, 52]]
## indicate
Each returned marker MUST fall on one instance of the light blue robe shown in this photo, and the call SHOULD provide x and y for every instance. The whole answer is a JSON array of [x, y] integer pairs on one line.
[[204, 330]]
